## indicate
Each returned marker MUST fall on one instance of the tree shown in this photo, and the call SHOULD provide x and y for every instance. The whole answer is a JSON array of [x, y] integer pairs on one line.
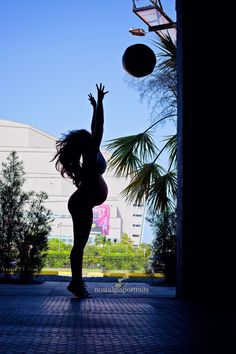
[[100, 240], [137, 156], [126, 240], [32, 242], [24, 222], [12, 202], [163, 255]]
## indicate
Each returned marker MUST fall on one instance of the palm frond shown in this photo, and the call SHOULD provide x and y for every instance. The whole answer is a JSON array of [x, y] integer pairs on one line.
[[167, 53], [139, 188], [163, 192], [129, 152], [169, 116], [171, 147]]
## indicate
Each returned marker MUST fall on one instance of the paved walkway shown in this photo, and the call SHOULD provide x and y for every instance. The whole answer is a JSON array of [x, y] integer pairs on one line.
[[135, 318]]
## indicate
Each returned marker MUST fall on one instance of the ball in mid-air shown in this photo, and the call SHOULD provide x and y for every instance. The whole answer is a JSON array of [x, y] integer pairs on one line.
[[139, 60]]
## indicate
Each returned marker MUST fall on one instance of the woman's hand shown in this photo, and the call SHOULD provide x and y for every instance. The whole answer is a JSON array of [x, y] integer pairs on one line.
[[101, 92], [92, 100]]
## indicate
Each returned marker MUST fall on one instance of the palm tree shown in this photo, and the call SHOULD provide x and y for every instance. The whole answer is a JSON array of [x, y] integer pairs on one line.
[[126, 240], [137, 156], [100, 240]]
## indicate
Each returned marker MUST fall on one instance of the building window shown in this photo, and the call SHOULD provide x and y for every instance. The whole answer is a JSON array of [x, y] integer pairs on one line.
[[136, 225], [139, 215], [135, 235]]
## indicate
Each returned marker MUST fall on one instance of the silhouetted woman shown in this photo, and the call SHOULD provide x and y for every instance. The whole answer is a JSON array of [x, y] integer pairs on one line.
[[79, 158]]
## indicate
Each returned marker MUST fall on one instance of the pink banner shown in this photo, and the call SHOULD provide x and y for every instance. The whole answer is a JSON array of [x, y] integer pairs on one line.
[[101, 215]]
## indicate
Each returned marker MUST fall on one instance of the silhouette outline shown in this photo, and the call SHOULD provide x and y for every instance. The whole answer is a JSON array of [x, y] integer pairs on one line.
[[79, 158]]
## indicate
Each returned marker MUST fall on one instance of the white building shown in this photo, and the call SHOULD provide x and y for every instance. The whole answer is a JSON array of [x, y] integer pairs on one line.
[[36, 149]]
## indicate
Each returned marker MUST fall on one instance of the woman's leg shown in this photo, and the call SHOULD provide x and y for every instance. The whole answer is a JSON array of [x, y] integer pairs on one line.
[[82, 222]]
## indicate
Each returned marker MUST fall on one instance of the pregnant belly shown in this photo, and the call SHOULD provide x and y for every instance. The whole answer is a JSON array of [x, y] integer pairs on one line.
[[90, 192], [97, 190]]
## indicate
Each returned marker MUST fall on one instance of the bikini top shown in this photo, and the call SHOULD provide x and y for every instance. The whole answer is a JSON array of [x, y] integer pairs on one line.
[[92, 165], [101, 163]]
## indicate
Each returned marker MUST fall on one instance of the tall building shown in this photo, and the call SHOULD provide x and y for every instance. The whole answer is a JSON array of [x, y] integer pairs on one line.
[[36, 149]]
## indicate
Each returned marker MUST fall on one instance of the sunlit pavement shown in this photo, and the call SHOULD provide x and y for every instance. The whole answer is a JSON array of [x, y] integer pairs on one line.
[[129, 318]]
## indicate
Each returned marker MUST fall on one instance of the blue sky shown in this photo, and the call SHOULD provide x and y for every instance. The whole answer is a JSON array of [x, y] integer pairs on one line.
[[53, 52]]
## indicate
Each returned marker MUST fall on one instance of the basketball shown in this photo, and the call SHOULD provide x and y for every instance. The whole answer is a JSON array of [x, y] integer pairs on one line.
[[139, 60]]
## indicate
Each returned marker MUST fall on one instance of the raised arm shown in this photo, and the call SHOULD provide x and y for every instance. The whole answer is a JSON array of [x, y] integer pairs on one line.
[[94, 105], [98, 115]]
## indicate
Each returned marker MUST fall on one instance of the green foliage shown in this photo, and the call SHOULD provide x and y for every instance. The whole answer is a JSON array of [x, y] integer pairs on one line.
[[12, 201], [58, 254], [171, 147], [129, 152], [111, 256], [100, 240], [160, 88], [163, 256], [57, 260], [24, 222], [162, 192], [32, 242], [122, 256], [126, 240], [56, 245]]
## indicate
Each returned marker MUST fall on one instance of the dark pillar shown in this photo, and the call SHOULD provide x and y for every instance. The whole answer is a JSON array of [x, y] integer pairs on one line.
[[206, 254]]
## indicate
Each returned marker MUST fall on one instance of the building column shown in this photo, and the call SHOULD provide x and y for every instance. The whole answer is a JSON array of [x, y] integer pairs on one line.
[[206, 266]]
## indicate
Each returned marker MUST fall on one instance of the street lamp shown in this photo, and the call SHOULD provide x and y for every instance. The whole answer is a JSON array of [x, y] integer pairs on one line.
[[139, 60], [156, 19], [137, 31]]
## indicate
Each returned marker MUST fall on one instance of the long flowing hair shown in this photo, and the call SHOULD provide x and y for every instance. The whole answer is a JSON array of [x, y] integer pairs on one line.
[[69, 154]]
